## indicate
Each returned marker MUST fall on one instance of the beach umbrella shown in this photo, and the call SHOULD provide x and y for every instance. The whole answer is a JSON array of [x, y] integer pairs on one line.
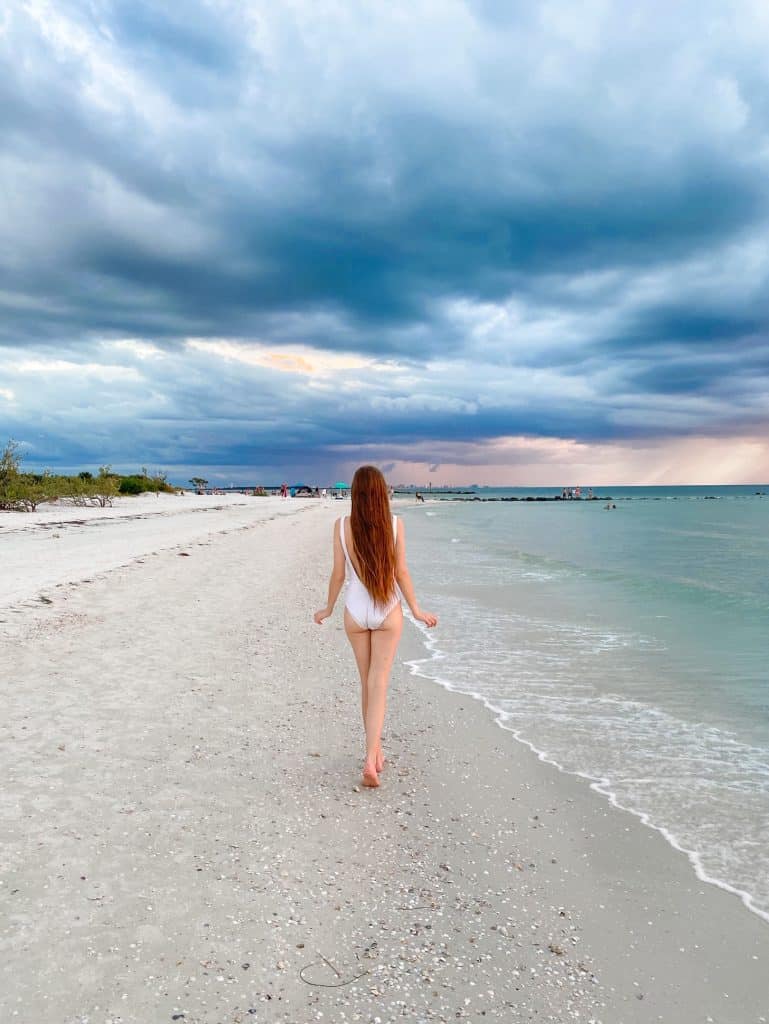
[[340, 486]]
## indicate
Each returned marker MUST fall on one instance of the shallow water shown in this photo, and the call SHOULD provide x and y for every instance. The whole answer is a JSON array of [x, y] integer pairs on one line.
[[629, 646]]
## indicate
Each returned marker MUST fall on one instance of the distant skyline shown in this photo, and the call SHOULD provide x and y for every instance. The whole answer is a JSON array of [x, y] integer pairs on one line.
[[467, 240]]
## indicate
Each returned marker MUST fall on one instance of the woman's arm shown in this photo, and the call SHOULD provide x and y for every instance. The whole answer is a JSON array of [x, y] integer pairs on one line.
[[403, 579], [336, 580]]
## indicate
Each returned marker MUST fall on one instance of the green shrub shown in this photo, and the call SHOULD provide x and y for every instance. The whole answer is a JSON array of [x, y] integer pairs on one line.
[[132, 485], [25, 491]]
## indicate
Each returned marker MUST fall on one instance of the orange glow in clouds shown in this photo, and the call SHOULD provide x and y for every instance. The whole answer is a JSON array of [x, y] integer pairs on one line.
[[559, 462]]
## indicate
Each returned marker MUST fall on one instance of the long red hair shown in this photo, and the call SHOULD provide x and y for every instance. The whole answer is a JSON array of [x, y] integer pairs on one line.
[[372, 533]]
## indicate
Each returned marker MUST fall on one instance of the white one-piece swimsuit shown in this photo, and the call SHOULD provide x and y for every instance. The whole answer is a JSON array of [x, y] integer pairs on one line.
[[362, 607]]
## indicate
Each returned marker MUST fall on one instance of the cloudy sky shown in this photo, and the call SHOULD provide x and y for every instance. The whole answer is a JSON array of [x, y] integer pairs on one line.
[[469, 240]]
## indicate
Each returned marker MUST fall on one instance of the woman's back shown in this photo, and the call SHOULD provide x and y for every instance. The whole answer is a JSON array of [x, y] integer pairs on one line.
[[370, 534], [366, 609]]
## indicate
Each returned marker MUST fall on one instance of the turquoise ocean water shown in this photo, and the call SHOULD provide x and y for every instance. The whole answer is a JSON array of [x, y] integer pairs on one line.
[[628, 646]]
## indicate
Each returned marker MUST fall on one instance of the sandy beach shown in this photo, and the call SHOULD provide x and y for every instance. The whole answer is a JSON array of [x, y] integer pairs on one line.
[[62, 543], [184, 836]]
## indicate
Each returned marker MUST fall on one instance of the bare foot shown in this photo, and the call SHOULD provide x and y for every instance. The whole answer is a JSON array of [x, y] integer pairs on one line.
[[380, 761], [370, 777]]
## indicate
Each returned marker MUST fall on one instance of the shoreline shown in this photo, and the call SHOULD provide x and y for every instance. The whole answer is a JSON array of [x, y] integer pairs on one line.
[[184, 830], [711, 949], [597, 785]]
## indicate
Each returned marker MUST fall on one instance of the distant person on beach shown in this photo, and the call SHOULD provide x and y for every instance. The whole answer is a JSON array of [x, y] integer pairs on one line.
[[419, 497], [370, 553]]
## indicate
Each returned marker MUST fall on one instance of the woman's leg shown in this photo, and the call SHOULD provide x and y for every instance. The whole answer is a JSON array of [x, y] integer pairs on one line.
[[384, 644], [360, 641]]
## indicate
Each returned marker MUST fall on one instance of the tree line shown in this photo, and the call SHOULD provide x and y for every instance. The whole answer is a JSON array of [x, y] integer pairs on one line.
[[23, 492]]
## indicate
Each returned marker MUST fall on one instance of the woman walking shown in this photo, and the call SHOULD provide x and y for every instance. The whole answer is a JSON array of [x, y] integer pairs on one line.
[[370, 552]]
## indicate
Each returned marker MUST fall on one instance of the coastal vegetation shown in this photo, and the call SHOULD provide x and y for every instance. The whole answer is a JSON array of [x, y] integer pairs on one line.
[[21, 491]]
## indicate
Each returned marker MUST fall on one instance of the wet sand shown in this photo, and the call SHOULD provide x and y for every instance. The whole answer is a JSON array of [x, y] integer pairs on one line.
[[184, 835]]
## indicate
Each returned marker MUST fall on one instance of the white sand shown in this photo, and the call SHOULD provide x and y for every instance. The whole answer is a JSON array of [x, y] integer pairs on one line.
[[61, 543], [182, 831]]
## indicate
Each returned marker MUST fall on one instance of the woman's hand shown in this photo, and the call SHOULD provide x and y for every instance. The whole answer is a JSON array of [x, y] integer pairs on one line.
[[324, 613], [428, 618]]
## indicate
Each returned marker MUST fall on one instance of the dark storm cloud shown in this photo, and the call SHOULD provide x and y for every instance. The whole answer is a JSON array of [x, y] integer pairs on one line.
[[554, 225]]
